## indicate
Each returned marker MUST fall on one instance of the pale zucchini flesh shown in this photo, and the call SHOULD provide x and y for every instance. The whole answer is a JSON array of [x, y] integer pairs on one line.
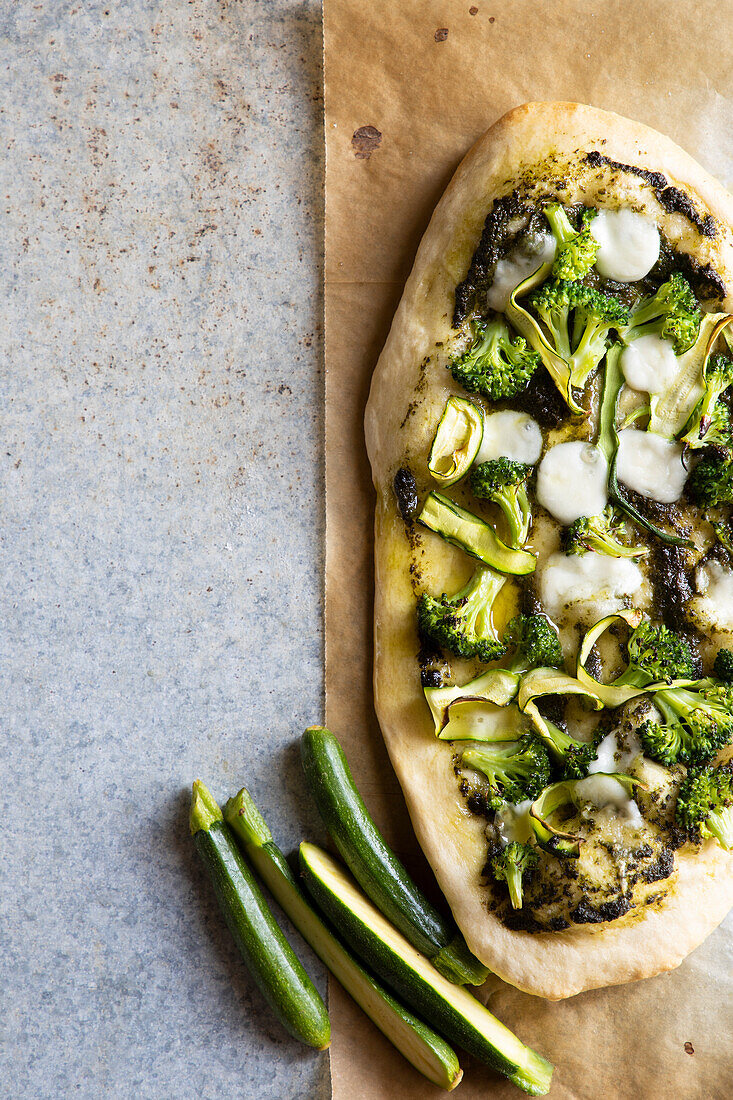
[[451, 1008], [419, 1044]]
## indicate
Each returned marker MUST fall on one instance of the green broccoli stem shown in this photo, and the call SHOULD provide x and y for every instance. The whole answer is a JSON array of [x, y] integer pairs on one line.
[[514, 883], [608, 445], [720, 824]]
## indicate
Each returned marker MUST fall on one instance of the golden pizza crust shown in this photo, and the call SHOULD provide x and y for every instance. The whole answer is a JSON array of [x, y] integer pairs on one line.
[[409, 390]]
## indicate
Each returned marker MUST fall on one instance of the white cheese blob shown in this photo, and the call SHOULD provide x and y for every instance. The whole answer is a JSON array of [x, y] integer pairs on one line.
[[513, 822], [595, 579], [572, 481], [651, 465], [518, 265], [513, 434], [603, 790], [611, 757], [715, 603], [628, 244], [649, 364]]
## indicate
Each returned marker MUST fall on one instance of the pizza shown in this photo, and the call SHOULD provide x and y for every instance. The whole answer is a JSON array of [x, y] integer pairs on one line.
[[549, 429]]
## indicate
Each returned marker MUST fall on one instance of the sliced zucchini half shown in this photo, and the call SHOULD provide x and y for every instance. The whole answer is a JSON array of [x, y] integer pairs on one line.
[[450, 1008], [375, 866], [472, 534], [457, 441], [422, 1047]]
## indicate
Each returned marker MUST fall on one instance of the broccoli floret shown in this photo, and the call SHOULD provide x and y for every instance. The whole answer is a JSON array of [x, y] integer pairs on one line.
[[535, 642], [575, 756], [505, 482], [656, 653], [723, 665], [711, 482], [709, 424], [515, 770], [576, 249], [495, 364], [510, 865], [696, 724], [705, 804], [601, 534], [724, 534], [463, 624], [672, 313], [578, 320]]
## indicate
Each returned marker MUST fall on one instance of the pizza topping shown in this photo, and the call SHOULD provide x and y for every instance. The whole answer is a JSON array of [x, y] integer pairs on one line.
[[464, 623], [649, 364], [709, 423], [705, 804], [601, 534], [592, 580], [651, 465], [405, 490], [469, 532], [505, 483], [672, 312], [605, 790], [510, 434], [572, 481], [496, 363], [713, 606], [576, 248], [533, 251], [456, 441], [628, 244], [574, 301]]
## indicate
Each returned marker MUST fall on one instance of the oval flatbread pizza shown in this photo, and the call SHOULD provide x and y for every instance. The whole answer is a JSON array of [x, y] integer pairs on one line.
[[549, 429]]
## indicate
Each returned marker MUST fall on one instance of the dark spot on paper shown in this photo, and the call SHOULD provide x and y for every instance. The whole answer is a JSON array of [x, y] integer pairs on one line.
[[473, 11], [689, 1048], [441, 34], [365, 141]]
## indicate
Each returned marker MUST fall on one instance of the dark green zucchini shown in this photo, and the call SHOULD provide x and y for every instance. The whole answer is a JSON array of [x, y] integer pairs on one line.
[[267, 954], [451, 1009], [375, 866], [427, 1052]]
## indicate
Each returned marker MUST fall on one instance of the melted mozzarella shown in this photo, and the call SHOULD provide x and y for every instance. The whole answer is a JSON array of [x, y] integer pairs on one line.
[[611, 757], [649, 364], [651, 465], [513, 822], [514, 434], [572, 480], [517, 266], [603, 790], [628, 244], [597, 579], [715, 603]]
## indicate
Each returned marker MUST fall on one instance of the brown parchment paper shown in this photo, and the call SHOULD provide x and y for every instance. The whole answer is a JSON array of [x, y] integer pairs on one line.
[[410, 85]]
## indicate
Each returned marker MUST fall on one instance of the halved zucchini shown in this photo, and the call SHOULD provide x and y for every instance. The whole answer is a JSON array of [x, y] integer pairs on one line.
[[450, 1008], [427, 1052]]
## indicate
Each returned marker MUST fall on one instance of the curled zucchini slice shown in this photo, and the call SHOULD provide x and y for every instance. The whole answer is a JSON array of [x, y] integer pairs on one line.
[[457, 441]]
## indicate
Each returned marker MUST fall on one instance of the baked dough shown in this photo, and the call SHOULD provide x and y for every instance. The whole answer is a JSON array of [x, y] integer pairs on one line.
[[542, 146]]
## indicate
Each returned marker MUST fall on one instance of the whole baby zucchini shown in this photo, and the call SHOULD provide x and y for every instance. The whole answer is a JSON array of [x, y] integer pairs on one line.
[[449, 1008], [375, 866], [268, 955], [427, 1052]]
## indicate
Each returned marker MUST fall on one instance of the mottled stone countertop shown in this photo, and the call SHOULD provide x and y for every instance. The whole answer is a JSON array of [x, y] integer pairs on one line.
[[161, 524]]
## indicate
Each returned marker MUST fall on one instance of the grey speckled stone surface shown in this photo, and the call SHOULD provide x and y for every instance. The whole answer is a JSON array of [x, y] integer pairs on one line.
[[161, 524]]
